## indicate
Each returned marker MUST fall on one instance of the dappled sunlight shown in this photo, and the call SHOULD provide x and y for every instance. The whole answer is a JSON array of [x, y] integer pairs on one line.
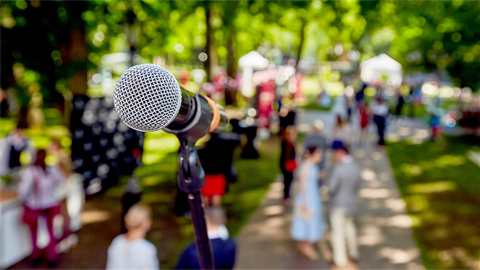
[[149, 159], [404, 131], [417, 202], [277, 186], [370, 235], [275, 191], [274, 222], [451, 160], [415, 140], [377, 155], [152, 180], [166, 165], [432, 187], [374, 193], [166, 143], [359, 154], [411, 169], [303, 128], [273, 210], [422, 133], [94, 216], [474, 156], [368, 174], [56, 131], [392, 137], [396, 205], [400, 221], [449, 256], [399, 256]]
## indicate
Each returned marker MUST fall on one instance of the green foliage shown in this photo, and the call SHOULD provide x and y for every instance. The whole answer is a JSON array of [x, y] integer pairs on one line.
[[422, 35], [32, 37], [440, 186], [314, 106], [426, 35]]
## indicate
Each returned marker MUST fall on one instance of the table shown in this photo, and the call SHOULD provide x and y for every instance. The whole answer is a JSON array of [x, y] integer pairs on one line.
[[15, 244]]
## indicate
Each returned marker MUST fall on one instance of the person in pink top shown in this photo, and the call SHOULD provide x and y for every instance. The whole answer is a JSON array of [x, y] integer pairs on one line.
[[37, 190]]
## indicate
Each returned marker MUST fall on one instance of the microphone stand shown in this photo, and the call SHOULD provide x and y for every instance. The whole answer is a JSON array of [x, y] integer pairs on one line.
[[191, 177]]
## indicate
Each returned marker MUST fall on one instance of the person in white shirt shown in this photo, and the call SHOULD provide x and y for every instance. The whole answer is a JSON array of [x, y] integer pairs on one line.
[[37, 190], [131, 250]]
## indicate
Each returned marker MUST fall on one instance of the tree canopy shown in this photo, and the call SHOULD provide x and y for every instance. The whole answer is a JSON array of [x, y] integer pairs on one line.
[[40, 50]]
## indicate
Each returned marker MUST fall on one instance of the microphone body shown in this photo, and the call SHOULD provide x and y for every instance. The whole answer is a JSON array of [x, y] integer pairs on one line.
[[148, 98], [194, 109]]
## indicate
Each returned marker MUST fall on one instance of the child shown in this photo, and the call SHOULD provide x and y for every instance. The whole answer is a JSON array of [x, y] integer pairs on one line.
[[131, 250]]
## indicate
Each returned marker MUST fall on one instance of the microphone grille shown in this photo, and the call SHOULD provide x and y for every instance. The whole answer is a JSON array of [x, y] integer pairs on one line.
[[147, 97]]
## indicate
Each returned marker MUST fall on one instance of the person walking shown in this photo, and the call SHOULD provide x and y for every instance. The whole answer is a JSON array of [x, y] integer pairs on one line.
[[307, 224], [340, 130], [131, 250], [400, 103], [37, 190], [364, 113], [288, 163], [223, 247], [380, 112], [343, 188], [318, 140]]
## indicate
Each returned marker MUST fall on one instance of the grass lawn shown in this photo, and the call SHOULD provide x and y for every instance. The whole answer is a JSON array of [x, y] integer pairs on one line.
[[315, 106], [441, 188]]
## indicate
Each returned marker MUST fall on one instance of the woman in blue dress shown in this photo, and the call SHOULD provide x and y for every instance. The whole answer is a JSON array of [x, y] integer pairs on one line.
[[307, 224]]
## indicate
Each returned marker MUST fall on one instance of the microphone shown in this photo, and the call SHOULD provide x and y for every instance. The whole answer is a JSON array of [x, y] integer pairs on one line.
[[148, 98]]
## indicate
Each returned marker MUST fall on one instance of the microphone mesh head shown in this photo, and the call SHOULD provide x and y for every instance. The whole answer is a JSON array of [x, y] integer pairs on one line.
[[147, 97]]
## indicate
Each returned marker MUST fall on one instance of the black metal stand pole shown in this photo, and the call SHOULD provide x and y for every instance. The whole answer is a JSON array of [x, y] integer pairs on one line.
[[201, 236], [191, 177]]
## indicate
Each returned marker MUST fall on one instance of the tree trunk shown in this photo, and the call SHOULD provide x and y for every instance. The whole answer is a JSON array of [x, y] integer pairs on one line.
[[231, 68], [207, 63], [77, 54], [302, 41], [75, 50]]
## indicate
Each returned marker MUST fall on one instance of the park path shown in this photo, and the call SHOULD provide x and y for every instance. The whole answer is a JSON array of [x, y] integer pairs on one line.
[[383, 227]]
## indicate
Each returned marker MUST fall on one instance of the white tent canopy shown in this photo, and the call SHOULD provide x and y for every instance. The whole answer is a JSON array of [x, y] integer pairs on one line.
[[379, 67], [253, 60], [249, 62]]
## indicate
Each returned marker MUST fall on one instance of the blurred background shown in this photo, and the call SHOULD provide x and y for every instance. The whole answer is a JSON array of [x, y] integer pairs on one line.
[[271, 64]]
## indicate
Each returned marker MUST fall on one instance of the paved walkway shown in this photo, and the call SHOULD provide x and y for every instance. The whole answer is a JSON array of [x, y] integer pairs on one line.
[[383, 227]]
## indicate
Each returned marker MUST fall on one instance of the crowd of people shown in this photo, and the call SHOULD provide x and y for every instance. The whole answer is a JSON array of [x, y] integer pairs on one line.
[[309, 165], [309, 223]]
